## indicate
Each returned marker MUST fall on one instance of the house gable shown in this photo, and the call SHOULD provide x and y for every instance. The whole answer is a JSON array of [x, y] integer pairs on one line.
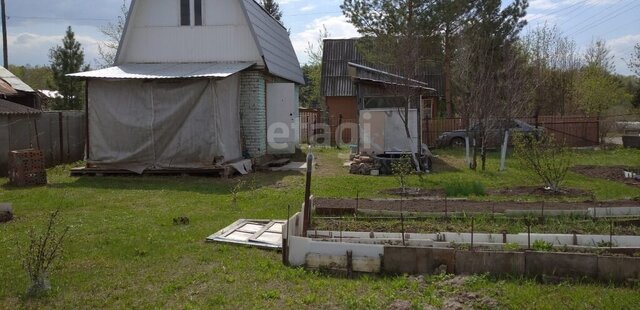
[[232, 31], [153, 34]]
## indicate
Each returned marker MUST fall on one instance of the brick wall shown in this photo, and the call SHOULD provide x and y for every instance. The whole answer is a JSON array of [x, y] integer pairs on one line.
[[253, 112]]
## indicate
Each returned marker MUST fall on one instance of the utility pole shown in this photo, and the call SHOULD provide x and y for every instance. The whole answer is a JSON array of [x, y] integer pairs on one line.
[[4, 35]]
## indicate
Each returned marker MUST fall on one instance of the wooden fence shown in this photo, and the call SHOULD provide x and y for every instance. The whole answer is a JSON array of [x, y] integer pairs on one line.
[[575, 131], [59, 135]]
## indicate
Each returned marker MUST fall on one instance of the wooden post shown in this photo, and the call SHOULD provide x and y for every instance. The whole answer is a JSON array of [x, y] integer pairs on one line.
[[306, 223], [4, 35]]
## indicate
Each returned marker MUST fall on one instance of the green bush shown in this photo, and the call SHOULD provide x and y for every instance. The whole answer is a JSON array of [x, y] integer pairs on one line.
[[542, 246], [464, 189], [512, 246]]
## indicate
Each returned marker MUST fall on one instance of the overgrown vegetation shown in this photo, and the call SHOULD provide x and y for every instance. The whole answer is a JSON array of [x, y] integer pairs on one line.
[[544, 157]]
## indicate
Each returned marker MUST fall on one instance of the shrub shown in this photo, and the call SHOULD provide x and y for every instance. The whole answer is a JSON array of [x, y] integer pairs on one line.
[[542, 246], [43, 251], [547, 159], [402, 169]]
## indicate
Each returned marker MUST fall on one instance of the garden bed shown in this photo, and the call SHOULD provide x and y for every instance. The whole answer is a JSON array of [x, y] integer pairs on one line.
[[611, 173], [458, 205]]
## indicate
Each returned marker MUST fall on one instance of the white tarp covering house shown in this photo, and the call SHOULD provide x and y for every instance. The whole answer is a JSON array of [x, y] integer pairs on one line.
[[196, 84]]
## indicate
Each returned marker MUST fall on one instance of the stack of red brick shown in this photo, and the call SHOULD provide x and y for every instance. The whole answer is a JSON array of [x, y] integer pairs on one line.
[[27, 168]]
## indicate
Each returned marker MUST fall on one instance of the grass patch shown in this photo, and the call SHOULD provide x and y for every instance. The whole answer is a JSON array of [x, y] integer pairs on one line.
[[464, 189], [123, 250]]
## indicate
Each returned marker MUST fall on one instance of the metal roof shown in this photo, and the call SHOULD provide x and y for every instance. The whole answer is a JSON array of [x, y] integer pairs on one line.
[[273, 42], [166, 71], [337, 56], [14, 81], [11, 108], [380, 76]]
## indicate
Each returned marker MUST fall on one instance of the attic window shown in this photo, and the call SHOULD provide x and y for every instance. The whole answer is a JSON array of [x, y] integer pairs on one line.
[[197, 7], [187, 13]]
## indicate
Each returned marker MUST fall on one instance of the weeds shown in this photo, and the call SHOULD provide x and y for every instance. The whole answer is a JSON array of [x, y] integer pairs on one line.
[[464, 189], [542, 246]]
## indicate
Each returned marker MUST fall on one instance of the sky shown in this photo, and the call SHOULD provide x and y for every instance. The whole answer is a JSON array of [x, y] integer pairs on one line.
[[35, 26]]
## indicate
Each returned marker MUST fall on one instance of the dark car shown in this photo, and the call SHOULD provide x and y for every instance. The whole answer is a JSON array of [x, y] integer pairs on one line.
[[495, 135]]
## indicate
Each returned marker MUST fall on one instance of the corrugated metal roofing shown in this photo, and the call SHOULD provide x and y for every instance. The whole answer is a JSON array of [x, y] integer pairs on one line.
[[274, 43], [336, 81], [14, 81], [166, 71], [11, 108]]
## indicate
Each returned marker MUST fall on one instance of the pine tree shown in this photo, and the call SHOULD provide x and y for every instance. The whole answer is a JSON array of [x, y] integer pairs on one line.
[[272, 7], [66, 59]]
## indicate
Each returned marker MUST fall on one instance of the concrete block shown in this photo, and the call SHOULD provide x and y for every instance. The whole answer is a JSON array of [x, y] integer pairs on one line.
[[618, 269], [495, 263], [570, 265], [6, 212], [412, 260]]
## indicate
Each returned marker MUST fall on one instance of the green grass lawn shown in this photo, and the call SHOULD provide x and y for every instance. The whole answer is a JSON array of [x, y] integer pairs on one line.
[[123, 250]]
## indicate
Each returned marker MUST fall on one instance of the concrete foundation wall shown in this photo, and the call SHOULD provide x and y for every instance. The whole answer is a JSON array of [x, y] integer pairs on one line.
[[572, 265], [410, 260], [496, 263], [618, 269]]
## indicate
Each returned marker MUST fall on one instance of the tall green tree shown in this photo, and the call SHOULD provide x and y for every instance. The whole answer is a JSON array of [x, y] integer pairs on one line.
[[488, 68], [273, 8], [65, 59], [596, 91]]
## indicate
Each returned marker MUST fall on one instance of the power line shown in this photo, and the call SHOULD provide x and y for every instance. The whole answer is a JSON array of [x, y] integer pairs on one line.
[[60, 18], [552, 12], [606, 19], [600, 14]]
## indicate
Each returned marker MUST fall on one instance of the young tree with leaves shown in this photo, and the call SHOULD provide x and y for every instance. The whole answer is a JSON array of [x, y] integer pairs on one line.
[[310, 94], [65, 59], [112, 31], [273, 8], [599, 55], [634, 62]]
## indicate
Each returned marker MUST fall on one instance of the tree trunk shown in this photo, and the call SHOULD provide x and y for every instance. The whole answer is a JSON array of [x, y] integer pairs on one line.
[[447, 73]]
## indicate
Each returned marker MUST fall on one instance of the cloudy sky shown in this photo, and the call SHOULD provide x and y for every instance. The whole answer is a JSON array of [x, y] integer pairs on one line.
[[36, 25]]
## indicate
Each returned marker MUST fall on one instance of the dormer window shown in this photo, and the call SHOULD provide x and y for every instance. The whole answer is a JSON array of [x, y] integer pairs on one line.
[[191, 10]]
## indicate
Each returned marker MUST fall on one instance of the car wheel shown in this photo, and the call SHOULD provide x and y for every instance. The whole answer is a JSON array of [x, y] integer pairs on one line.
[[457, 143]]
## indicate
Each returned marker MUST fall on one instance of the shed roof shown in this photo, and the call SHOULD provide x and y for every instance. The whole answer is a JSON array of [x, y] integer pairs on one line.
[[11, 108], [166, 71], [14, 81], [273, 42], [339, 54]]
